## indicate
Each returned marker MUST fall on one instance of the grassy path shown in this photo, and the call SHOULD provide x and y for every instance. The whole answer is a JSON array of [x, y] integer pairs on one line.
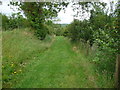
[[57, 67], [53, 63]]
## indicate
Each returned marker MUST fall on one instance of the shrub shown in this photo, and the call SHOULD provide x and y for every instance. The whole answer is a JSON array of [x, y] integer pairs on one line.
[[80, 30], [14, 21]]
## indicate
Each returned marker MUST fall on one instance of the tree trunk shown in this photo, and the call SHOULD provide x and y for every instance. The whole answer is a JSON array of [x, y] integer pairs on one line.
[[117, 73]]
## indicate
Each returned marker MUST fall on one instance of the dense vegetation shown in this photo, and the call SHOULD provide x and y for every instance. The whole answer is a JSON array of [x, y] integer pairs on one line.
[[14, 21], [99, 30], [52, 63], [93, 43], [38, 13]]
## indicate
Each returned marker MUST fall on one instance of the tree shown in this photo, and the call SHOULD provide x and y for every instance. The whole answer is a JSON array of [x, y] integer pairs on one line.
[[5, 20], [38, 12], [14, 21]]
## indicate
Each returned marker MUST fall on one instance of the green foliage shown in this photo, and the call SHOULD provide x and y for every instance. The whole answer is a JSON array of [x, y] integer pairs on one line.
[[50, 64], [5, 21], [38, 12], [105, 61], [54, 29], [58, 30], [41, 32], [107, 39], [14, 21], [80, 30], [116, 32], [102, 29]]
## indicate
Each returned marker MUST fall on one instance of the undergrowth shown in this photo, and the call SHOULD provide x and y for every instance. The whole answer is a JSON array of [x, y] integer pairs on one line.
[[18, 48]]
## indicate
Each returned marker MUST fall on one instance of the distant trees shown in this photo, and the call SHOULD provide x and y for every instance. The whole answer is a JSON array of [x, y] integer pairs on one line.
[[54, 29], [14, 21], [5, 21]]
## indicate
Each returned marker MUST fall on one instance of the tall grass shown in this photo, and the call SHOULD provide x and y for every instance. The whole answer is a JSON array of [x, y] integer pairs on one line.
[[19, 48], [29, 62], [103, 77]]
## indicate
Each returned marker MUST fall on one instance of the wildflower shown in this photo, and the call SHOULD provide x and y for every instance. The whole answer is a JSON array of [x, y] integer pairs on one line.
[[15, 72]]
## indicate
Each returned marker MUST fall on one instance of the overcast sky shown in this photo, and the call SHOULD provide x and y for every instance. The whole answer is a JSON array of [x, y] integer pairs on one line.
[[65, 18]]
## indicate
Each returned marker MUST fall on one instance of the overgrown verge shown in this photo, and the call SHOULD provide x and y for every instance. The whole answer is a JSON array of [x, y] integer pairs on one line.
[[96, 70], [99, 36], [19, 48]]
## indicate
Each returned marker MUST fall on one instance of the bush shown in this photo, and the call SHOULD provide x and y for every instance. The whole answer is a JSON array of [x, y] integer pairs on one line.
[[5, 21], [80, 30], [41, 31], [14, 21], [54, 29]]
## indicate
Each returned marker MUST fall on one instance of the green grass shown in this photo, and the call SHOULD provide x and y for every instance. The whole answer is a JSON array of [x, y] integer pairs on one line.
[[18, 48], [52, 63]]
